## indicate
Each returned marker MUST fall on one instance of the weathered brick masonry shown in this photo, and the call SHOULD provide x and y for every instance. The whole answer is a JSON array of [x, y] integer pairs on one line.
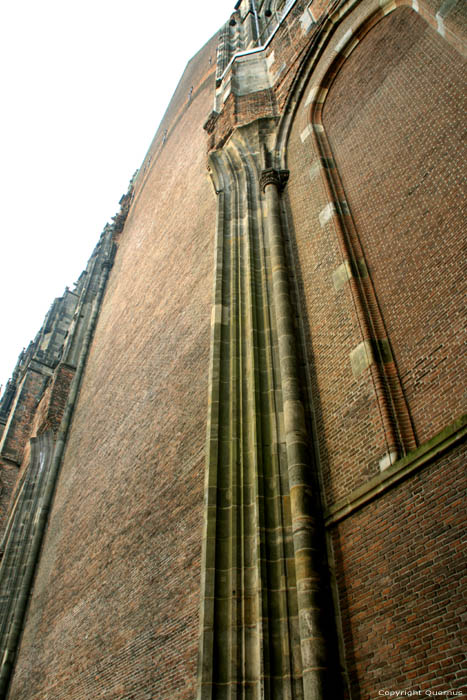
[[392, 118], [401, 119], [378, 130], [292, 284], [401, 593], [129, 501]]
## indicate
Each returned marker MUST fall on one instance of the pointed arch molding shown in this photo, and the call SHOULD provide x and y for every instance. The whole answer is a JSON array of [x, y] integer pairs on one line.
[[322, 50], [327, 55], [264, 622], [263, 582]]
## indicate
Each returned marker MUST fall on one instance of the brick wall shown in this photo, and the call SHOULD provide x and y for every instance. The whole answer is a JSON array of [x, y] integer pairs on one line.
[[346, 412], [401, 578], [115, 604], [398, 559], [393, 119], [411, 265], [18, 430]]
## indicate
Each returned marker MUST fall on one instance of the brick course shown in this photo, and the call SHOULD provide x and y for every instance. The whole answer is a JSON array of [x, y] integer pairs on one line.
[[401, 579], [348, 418], [410, 229], [120, 615], [114, 609]]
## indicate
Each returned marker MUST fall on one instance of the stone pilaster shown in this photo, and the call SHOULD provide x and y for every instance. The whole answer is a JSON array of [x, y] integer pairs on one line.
[[303, 503], [261, 613]]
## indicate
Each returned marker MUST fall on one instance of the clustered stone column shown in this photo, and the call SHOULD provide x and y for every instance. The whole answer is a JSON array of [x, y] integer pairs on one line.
[[304, 522]]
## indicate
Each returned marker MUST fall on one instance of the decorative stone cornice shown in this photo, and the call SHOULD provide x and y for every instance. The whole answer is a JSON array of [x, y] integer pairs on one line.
[[271, 176]]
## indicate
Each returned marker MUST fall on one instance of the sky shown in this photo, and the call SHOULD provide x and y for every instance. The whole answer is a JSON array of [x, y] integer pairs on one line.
[[84, 86]]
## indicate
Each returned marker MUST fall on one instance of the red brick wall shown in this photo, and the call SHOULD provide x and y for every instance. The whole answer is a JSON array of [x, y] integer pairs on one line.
[[18, 431], [59, 395], [399, 559], [393, 117], [37, 410], [348, 425], [401, 575], [115, 604], [404, 197], [9, 475], [15, 447]]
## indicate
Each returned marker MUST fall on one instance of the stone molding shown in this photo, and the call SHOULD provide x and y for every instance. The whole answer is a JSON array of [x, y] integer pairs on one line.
[[397, 472], [264, 581]]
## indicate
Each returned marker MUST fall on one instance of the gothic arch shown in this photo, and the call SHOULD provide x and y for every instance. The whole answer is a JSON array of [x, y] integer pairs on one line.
[[332, 47], [320, 53]]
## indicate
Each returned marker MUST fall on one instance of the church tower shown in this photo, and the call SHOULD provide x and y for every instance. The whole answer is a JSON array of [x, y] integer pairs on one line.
[[232, 458]]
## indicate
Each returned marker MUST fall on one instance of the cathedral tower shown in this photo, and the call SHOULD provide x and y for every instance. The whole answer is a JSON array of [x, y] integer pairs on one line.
[[232, 458]]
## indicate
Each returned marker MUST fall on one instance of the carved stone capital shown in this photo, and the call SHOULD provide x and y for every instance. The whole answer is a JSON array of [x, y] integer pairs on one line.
[[271, 176], [210, 123]]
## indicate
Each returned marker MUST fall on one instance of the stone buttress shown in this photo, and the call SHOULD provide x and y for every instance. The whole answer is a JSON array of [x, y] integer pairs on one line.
[[35, 415]]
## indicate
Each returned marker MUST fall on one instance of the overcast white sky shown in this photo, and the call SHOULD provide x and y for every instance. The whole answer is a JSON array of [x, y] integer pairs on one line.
[[84, 86]]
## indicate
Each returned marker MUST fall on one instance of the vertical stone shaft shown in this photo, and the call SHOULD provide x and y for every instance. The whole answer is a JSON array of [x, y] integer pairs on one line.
[[304, 528], [249, 620]]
